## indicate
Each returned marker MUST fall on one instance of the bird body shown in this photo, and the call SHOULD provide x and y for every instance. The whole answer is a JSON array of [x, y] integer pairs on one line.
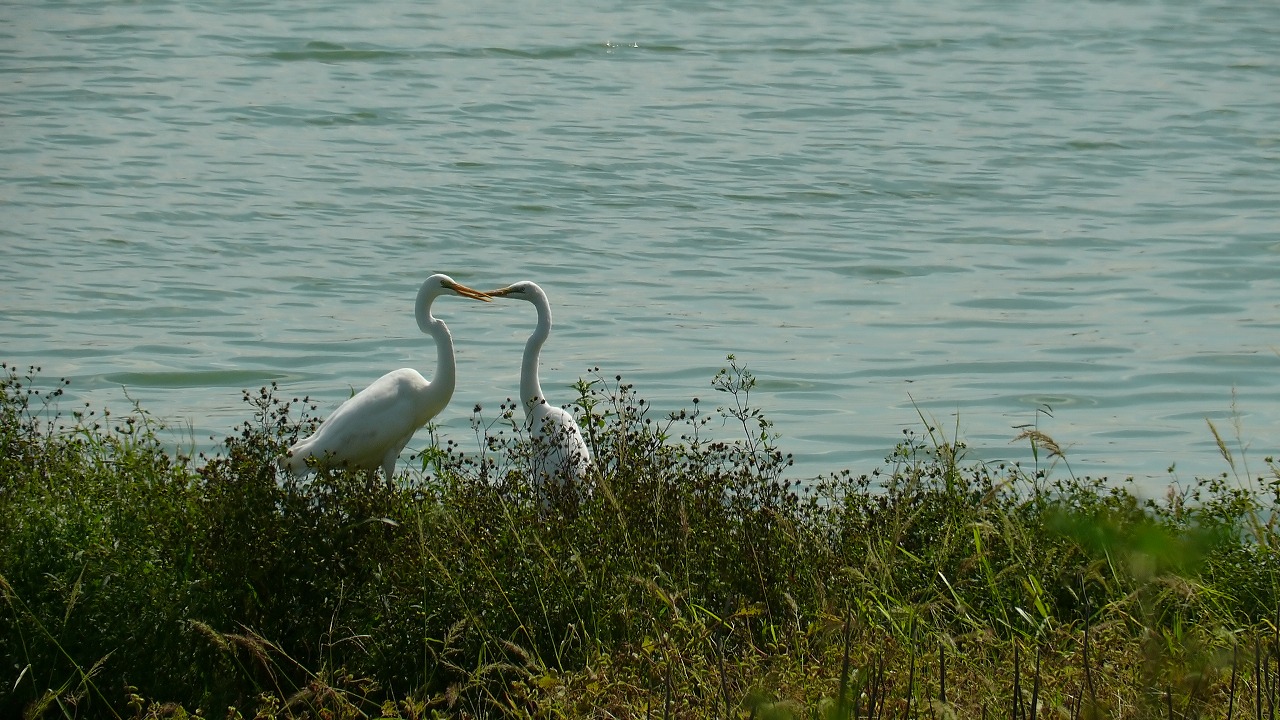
[[368, 431], [562, 453]]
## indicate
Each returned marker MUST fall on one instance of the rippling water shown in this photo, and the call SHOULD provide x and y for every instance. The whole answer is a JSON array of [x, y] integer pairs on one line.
[[976, 209]]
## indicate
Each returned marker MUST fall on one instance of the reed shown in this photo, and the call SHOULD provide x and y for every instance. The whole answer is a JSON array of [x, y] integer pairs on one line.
[[689, 577]]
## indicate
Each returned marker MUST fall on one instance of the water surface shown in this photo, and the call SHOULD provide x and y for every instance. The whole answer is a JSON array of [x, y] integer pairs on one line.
[[967, 210]]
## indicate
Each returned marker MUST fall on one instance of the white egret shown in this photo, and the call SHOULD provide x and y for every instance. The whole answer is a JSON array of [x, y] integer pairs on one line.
[[562, 453], [369, 430]]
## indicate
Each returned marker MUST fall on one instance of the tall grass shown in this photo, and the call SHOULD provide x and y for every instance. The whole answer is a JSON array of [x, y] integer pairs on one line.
[[690, 577]]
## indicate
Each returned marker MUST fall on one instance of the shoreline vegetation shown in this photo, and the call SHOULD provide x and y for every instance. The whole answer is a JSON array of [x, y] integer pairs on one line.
[[693, 580]]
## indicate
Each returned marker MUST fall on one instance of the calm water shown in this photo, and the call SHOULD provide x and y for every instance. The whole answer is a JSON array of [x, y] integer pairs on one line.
[[978, 208]]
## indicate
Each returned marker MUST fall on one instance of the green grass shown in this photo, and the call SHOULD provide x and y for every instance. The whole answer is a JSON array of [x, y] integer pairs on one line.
[[695, 579]]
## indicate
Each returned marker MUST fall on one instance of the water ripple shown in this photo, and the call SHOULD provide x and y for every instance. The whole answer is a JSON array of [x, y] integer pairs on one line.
[[939, 208]]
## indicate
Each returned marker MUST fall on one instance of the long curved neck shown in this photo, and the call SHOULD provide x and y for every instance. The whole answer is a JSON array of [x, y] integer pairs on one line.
[[446, 375], [530, 386]]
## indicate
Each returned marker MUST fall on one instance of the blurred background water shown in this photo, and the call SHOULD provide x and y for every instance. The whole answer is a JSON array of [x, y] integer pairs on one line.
[[974, 209]]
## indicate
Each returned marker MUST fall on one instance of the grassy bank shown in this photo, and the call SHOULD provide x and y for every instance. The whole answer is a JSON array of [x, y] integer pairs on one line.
[[695, 580]]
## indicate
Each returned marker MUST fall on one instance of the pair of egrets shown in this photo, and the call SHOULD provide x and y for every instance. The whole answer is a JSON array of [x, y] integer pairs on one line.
[[368, 431]]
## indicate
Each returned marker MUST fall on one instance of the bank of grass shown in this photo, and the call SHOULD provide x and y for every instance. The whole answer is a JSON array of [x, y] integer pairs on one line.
[[694, 581]]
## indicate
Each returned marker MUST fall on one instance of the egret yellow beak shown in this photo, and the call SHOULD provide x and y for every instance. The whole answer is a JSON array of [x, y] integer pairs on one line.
[[467, 292], [501, 292]]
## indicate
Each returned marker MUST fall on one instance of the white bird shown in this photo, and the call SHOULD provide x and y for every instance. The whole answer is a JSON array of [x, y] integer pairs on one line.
[[562, 452], [369, 430]]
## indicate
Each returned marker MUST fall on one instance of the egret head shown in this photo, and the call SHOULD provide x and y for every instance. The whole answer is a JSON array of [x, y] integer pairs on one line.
[[432, 288], [523, 290], [440, 284]]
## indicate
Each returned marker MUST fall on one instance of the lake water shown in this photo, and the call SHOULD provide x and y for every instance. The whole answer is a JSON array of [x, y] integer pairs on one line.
[[974, 209]]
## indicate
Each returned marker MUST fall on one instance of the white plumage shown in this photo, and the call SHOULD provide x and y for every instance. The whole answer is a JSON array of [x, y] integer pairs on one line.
[[369, 430], [562, 452]]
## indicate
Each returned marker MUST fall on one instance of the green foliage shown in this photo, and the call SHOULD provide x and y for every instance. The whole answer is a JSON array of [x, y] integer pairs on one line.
[[687, 577]]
